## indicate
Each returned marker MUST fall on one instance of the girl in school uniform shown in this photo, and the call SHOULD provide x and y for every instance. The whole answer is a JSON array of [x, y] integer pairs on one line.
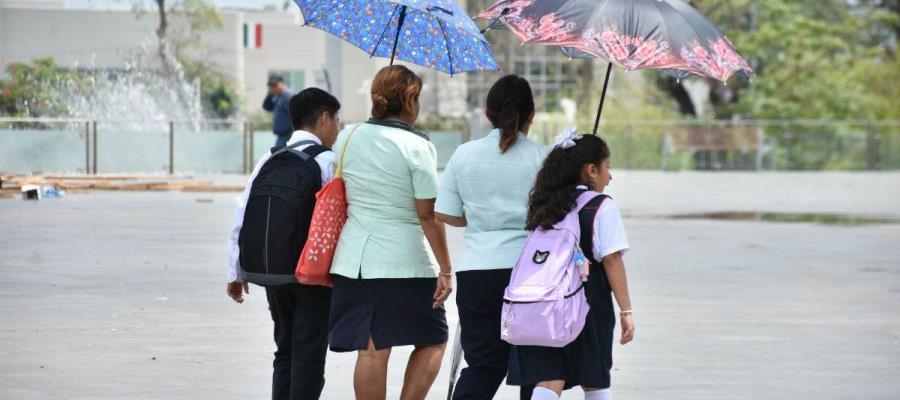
[[576, 164]]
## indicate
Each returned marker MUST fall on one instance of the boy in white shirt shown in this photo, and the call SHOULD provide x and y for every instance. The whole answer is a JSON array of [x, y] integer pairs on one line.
[[300, 312]]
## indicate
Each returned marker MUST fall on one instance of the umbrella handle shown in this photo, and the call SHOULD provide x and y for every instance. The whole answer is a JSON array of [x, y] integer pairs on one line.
[[602, 98], [455, 360], [397, 36]]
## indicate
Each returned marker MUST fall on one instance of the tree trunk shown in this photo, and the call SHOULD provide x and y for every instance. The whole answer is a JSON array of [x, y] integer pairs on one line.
[[171, 71], [164, 50]]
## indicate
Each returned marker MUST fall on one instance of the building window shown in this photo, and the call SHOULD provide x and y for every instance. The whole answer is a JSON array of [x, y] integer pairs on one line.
[[293, 79]]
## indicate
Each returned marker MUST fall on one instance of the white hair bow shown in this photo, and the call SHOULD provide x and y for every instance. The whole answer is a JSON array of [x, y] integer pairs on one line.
[[567, 138]]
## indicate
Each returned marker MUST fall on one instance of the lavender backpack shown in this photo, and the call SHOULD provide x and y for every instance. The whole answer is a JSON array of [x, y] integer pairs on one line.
[[544, 304]]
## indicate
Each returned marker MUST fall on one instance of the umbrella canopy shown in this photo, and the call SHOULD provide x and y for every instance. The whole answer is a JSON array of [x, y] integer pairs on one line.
[[436, 34], [633, 34]]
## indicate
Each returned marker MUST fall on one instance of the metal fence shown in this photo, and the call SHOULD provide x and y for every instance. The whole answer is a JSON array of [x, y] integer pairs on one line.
[[30, 145], [795, 145], [97, 146]]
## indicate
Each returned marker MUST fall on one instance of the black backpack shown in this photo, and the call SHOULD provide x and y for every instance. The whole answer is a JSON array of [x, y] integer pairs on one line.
[[278, 214]]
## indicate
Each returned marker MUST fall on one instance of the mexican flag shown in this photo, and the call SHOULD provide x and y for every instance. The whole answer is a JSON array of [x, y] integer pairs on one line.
[[253, 35]]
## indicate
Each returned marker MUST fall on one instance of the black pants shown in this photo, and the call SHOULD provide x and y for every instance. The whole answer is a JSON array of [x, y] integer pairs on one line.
[[300, 313], [479, 298]]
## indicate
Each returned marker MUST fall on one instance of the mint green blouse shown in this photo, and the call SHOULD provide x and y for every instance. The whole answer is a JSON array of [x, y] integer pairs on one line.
[[385, 170], [491, 190]]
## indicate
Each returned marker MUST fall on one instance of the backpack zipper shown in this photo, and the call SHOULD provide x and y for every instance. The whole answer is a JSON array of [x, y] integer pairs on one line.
[[266, 243], [538, 301]]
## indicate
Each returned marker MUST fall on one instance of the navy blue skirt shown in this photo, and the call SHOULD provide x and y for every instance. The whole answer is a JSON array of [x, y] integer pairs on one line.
[[393, 312], [584, 362]]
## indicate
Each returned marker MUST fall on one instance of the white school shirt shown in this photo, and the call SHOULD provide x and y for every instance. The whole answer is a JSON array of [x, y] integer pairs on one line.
[[609, 231], [491, 190], [326, 165]]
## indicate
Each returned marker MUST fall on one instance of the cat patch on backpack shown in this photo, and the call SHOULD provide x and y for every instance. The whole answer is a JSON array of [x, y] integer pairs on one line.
[[540, 257]]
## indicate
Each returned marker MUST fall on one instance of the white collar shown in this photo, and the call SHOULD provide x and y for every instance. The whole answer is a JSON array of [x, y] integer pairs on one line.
[[301, 135]]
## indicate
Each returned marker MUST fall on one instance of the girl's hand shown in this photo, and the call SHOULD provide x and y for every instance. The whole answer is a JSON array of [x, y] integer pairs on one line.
[[443, 290], [627, 328]]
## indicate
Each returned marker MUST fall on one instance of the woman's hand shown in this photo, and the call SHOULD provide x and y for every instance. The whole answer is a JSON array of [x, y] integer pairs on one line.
[[437, 238], [443, 290], [627, 328]]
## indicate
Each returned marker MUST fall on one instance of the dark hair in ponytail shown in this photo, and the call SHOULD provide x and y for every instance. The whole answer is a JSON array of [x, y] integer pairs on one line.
[[554, 192], [509, 104]]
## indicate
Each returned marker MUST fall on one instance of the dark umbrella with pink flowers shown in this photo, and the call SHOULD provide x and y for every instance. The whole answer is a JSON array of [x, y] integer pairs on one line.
[[633, 34]]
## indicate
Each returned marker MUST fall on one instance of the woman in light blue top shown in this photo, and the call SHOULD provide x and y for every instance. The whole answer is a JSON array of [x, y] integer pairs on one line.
[[391, 267], [485, 189]]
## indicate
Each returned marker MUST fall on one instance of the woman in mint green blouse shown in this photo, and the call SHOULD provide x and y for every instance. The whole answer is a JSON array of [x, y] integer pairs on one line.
[[485, 189], [391, 267]]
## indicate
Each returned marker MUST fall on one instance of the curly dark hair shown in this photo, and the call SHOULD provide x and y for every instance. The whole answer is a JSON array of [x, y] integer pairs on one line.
[[554, 192]]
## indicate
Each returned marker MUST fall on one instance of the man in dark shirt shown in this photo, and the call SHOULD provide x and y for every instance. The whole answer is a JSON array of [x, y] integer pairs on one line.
[[276, 102]]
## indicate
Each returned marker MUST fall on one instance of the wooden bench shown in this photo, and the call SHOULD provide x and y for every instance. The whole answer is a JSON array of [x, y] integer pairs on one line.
[[710, 145]]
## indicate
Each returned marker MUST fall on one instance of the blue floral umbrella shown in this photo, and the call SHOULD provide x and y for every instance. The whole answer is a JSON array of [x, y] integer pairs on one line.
[[436, 34]]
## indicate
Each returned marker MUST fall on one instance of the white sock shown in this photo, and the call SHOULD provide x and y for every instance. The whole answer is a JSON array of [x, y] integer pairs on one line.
[[602, 394], [540, 393]]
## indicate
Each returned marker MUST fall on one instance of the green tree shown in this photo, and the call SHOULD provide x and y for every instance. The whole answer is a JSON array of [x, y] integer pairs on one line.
[[182, 25], [32, 88], [219, 97], [813, 58]]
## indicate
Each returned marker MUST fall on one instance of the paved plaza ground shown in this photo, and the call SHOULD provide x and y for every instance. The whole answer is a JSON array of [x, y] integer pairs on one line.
[[120, 295]]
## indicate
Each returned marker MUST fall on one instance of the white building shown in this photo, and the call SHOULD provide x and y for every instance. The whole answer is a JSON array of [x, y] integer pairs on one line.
[[250, 46], [57, 4]]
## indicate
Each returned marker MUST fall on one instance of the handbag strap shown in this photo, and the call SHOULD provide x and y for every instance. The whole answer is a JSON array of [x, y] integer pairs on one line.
[[340, 166]]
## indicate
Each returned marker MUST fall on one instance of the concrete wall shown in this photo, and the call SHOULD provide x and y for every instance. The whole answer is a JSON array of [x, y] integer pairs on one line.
[[112, 38], [288, 45], [82, 37], [104, 39], [34, 3]]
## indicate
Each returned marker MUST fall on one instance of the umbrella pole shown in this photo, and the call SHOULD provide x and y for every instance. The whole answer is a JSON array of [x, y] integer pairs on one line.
[[397, 36], [454, 361], [495, 21], [602, 98]]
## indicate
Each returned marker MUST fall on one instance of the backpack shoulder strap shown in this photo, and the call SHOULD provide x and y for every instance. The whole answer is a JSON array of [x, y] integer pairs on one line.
[[586, 222], [585, 197], [314, 150], [292, 147], [590, 209], [572, 219]]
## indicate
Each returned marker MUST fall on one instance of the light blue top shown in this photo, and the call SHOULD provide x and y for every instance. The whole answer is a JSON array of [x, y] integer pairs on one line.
[[491, 190], [385, 171]]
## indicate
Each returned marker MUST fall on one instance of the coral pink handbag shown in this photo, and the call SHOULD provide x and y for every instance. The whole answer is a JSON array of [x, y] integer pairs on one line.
[[329, 216]]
